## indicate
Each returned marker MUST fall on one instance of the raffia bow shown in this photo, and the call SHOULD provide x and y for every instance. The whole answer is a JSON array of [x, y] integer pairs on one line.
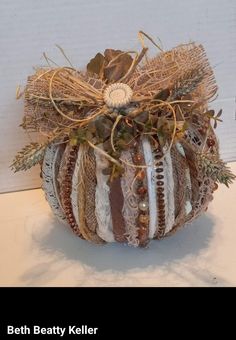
[[168, 91]]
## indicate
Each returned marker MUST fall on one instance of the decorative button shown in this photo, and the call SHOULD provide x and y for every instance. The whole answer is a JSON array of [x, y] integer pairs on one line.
[[117, 95]]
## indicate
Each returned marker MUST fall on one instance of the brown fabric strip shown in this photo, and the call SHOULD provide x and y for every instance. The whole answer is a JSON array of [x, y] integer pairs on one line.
[[191, 160], [179, 174], [117, 200], [90, 185], [180, 165]]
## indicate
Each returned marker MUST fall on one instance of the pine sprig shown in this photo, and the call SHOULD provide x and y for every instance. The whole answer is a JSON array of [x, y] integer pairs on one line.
[[215, 168], [29, 156], [187, 84]]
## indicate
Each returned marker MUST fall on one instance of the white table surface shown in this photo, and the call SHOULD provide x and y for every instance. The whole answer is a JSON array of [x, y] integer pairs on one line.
[[35, 250]]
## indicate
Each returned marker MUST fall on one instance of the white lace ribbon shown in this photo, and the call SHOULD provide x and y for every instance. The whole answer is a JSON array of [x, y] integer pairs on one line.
[[151, 183], [169, 192], [50, 168], [103, 209], [188, 206]]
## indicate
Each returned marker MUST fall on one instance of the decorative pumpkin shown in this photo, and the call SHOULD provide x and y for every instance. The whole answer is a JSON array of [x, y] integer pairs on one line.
[[130, 153]]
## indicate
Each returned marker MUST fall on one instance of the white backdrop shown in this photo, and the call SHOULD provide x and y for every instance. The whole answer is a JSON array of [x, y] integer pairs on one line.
[[83, 27]]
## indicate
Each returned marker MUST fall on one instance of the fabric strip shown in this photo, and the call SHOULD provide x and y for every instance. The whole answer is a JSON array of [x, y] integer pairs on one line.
[[116, 202], [130, 209], [103, 209], [188, 205], [169, 191], [151, 186], [50, 169]]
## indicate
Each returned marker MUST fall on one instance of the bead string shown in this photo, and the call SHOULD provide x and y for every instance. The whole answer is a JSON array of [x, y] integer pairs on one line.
[[142, 191], [160, 192], [66, 187]]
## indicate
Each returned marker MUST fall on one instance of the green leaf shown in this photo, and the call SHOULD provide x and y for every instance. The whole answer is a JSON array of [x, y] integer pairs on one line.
[[213, 167], [73, 141], [29, 156]]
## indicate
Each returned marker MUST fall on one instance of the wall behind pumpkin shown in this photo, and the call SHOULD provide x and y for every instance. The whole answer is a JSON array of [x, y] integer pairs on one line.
[[83, 27]]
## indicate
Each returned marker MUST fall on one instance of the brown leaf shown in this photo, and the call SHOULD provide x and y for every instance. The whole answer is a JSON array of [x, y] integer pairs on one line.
[[162, 95], [110, 54], [96, 65], [116, 69], [103, 127], [142, 117]]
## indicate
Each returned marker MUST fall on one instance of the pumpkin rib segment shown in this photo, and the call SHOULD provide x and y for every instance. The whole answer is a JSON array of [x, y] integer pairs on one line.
[[50, 169]]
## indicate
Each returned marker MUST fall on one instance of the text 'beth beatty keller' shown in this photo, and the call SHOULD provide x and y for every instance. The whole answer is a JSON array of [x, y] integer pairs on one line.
[[55, 330]]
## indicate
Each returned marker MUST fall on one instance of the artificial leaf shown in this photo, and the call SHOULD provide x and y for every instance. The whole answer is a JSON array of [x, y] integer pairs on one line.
[[110, 54], [118, 64], [29, 156], [96, 65], [142, 117], [121, 144], [148, 125], [162, 95], [187, 83], [161, 122], [73, 141], [210, 113], [161, 140], [107, 146], [191, 107], [89, 135], [214, 167], [181, 127], [80, 134], [103, 127], [92, 127]]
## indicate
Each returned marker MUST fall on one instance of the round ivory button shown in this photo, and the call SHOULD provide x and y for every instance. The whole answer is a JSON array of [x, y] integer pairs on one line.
[[118, 95]]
